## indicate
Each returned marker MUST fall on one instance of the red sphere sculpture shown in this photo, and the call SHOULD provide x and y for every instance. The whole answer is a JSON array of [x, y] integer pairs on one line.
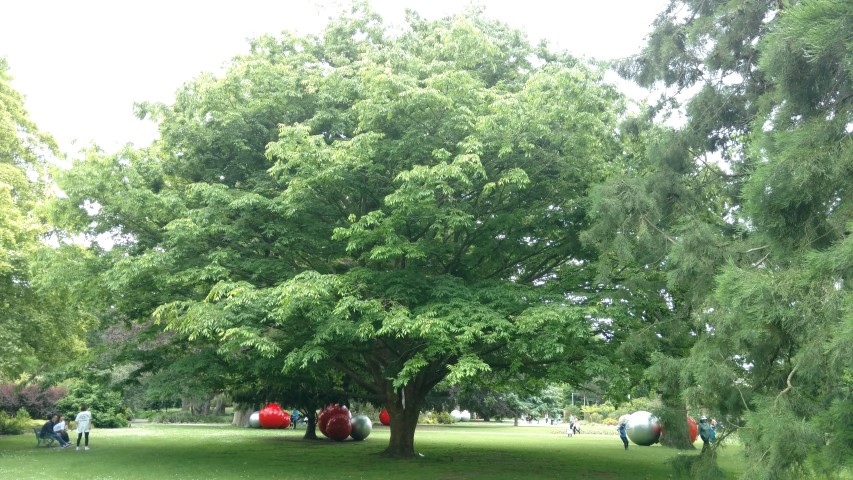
[[272, 416], [338, 428], [384, 418], [322, 420], [328, 413], [693, 428]]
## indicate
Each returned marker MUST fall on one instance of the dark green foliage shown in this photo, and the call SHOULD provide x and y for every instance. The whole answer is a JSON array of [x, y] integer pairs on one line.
[[767, 344], [186, 417], [15, 424], [697, 467], [106, 406]]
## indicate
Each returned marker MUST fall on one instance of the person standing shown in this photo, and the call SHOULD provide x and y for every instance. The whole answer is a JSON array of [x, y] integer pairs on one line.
[[623, 433], [713, 430], [294, 418], [705, 432], [84, 424]]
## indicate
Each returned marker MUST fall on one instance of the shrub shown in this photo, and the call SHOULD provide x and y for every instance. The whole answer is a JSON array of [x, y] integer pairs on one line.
[[444, 418], [435, 418], [39, 402], [15, 425], [186, 417], [106, 406], [610, 421]]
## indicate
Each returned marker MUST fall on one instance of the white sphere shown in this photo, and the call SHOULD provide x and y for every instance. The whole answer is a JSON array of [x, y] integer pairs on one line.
[[255, 420], [456, 414], [465, 416]]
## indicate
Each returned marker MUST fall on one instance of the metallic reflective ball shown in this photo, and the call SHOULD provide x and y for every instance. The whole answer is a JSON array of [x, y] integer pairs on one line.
[[361, 427], [456, 414], [255, 420], [643, 428], [464, 416]]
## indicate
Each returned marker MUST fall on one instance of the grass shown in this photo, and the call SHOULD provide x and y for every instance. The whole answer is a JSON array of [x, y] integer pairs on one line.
[[454, 452]]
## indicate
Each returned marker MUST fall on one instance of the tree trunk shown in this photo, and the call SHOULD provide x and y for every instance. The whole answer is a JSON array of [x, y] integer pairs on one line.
[[311, 426], [241, 415], [674, 430], [219, 404], [404, 421]]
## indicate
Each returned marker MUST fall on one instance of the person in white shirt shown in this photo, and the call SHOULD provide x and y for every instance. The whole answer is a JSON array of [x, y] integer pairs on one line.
[[84, 424], [61, 428]]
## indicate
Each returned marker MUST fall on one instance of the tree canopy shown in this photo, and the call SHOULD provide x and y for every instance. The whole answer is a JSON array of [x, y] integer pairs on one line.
[[39, 325], [402, 209], [744, 213]]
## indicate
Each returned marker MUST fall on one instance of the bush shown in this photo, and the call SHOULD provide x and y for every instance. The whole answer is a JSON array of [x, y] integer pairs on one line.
[[185, 417], [15, 425], [106, 406], [435, 418], [610, 421], [39, 402], [597, 413]]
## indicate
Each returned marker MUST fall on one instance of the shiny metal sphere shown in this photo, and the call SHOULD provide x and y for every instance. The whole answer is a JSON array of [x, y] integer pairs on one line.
[[643, 428], [456, 415], [361, 427], [465, 416], [255, 420]]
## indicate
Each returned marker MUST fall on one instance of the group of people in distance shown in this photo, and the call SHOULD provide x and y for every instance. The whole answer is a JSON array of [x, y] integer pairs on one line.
[[57, 428]]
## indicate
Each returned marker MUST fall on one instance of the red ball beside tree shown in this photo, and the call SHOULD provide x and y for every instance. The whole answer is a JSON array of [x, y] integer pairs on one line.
[[693, 428], [338, 427], [384, 418], [326, 415]]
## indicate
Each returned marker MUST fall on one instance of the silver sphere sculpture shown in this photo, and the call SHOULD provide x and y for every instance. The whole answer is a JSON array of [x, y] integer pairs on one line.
[[456, 415], [465, 416], [361, 427], [643, 428], [255, 420]]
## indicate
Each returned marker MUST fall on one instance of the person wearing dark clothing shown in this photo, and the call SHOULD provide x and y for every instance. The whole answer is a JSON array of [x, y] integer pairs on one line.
[[705, 432], [47, 431], [623, 434]]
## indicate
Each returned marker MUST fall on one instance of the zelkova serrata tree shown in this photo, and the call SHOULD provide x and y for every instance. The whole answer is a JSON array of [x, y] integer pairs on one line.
[[427, 203]]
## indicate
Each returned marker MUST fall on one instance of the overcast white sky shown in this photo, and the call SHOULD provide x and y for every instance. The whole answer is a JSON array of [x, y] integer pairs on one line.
[[81, 64]]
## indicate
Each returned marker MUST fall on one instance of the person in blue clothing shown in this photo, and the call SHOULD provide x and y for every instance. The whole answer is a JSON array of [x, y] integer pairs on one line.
[[294, 418], [705, 432], [713, 430], [623, 433]]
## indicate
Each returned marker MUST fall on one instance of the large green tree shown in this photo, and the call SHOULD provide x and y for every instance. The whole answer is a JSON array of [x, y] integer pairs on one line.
[[403, 209], [39, 325]]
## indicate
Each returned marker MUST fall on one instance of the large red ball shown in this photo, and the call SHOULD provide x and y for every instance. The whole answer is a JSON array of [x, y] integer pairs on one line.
[[384, 418], [338, 427], [693, 428], [329, 412], [272, 416]]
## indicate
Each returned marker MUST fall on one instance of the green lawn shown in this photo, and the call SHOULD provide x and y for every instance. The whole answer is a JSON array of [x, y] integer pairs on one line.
[[462, 451]]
